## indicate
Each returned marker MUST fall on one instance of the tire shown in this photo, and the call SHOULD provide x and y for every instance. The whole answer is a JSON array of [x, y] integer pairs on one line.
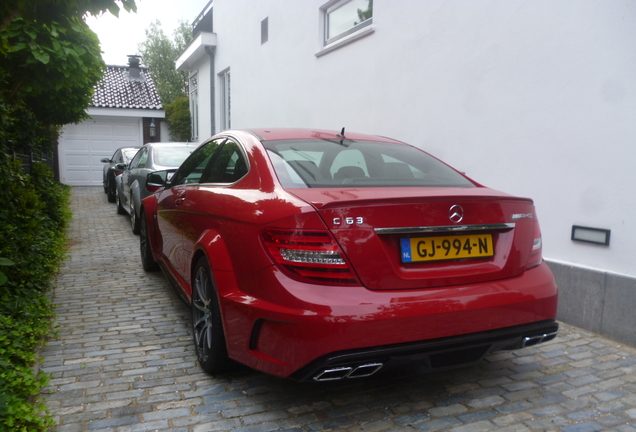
[[147, 261], [110, 189], [134, 220], [120, 208], [207, 326]]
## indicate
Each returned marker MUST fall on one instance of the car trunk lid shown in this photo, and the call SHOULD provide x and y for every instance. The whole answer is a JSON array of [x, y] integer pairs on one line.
[[427, 237]]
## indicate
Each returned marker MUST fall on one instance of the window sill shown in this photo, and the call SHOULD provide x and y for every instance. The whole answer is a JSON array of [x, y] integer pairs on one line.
[[346, 40]]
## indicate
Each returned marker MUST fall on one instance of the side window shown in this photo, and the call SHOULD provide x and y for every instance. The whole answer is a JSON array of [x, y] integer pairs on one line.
[[228, 165], [117, 158], [192, 168], [143, 159], [344, 17], [194, 105], [135, 162], [348, 164]]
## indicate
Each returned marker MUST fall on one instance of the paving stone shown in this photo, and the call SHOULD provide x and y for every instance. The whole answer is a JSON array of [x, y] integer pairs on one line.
[[124, 362]]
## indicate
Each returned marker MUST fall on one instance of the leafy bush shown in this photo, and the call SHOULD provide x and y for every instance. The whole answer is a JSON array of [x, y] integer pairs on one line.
[[33, 218], [178, 119]]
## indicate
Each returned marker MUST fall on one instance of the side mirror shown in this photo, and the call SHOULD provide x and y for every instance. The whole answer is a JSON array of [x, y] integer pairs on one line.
[[105, 160], [121, 166], [158, 179]]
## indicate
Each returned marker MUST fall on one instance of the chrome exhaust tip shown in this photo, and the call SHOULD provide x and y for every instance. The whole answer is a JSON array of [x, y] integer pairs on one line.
[[529, 341], [361, 371]]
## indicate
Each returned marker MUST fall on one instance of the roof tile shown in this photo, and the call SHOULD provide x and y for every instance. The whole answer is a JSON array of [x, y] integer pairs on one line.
[[117, 90]]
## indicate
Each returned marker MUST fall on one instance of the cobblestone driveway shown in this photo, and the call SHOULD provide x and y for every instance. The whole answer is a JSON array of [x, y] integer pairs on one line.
[[124, 362]]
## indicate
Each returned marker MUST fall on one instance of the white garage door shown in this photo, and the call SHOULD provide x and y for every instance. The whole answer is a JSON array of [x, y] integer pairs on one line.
[[82, 146]]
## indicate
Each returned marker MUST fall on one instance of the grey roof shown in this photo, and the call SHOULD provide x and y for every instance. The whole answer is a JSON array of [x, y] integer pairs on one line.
[[119, 90]]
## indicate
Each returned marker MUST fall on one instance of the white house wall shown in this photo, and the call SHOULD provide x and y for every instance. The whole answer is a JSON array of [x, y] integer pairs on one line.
[[533, 98], [203, 69]]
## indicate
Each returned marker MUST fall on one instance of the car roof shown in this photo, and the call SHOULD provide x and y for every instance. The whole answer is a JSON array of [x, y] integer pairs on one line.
[[170, 144], [270, 134]]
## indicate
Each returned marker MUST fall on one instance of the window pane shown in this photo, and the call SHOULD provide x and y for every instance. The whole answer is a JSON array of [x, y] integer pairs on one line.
[[192, 169], [194, 106], [135, 161], [348, 163], [171, 157], [227, 166], [345, 16]]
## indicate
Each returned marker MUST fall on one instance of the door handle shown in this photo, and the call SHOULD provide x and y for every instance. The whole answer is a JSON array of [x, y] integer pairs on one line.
[[180, 199]]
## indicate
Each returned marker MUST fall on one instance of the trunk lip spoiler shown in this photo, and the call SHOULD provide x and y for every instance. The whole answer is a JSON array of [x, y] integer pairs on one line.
[[445, 228]]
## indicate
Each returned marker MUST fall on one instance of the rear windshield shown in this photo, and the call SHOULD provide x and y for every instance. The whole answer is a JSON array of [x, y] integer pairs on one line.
[[129, 154], [344, 163], [171, 156]]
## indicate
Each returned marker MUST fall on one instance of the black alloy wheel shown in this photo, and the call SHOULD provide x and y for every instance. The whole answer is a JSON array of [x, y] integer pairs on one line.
[[207, 327], [147, 261]]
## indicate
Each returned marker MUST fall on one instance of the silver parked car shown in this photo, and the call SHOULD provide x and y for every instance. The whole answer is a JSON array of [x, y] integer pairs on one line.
[[122, 155], [131, 186]]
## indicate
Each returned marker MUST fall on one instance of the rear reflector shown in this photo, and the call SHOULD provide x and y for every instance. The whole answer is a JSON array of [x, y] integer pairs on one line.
[[536, 255], [310, 256]]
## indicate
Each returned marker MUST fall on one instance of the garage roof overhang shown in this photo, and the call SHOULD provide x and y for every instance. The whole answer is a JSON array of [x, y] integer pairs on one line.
[[195, 50], [125, 112]]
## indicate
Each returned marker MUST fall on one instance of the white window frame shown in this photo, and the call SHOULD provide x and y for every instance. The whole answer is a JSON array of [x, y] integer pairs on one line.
[[225, 101], [194, 105], [352, 34]]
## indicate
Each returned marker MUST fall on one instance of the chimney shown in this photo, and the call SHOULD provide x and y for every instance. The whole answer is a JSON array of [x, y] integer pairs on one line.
[[134, 71]]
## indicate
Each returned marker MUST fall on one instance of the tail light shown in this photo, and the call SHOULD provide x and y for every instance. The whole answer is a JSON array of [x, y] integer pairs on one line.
[[309, 256], [536, 255]]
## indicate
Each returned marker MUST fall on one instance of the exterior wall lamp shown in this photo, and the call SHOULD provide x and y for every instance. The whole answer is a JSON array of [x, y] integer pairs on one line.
[[152, 129]]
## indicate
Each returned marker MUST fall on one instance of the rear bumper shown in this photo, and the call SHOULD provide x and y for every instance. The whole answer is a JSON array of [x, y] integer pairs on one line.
[[287, 328], [438, 354]]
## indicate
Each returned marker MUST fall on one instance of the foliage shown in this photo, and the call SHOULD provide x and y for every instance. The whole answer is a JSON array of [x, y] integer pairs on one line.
[[53, 64], [44, 10], [159, 53], [20, 126], [21, 333], [367, 13], [178, 119], [33, 219], [49, 63], [4, 262]]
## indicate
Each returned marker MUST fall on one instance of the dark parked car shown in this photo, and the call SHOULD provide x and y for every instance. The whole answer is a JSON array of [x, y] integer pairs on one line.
[[131, 184], [122, 155], [319, 255]]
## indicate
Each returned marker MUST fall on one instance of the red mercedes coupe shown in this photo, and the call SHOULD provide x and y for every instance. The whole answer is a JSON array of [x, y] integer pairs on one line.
[[323, 255]]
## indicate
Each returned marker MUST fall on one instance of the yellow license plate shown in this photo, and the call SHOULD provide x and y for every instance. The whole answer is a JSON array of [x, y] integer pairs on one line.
[[446, 247]]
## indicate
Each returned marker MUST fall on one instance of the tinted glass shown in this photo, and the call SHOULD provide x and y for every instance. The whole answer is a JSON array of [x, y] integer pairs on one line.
[[170, 156], [227, 166], [192, 169], [346, 163]]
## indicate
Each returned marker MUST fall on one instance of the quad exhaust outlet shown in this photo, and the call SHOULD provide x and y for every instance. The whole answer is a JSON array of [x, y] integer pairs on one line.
[[344, 372]]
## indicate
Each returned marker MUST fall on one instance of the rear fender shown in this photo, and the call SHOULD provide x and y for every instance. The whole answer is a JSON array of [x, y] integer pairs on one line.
[[214, 248]]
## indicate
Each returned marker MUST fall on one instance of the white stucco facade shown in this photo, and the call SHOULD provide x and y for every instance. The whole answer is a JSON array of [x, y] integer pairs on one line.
[[533, 98]]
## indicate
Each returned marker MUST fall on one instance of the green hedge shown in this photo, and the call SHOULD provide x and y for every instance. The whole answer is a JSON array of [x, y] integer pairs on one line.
[[34, 213]]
